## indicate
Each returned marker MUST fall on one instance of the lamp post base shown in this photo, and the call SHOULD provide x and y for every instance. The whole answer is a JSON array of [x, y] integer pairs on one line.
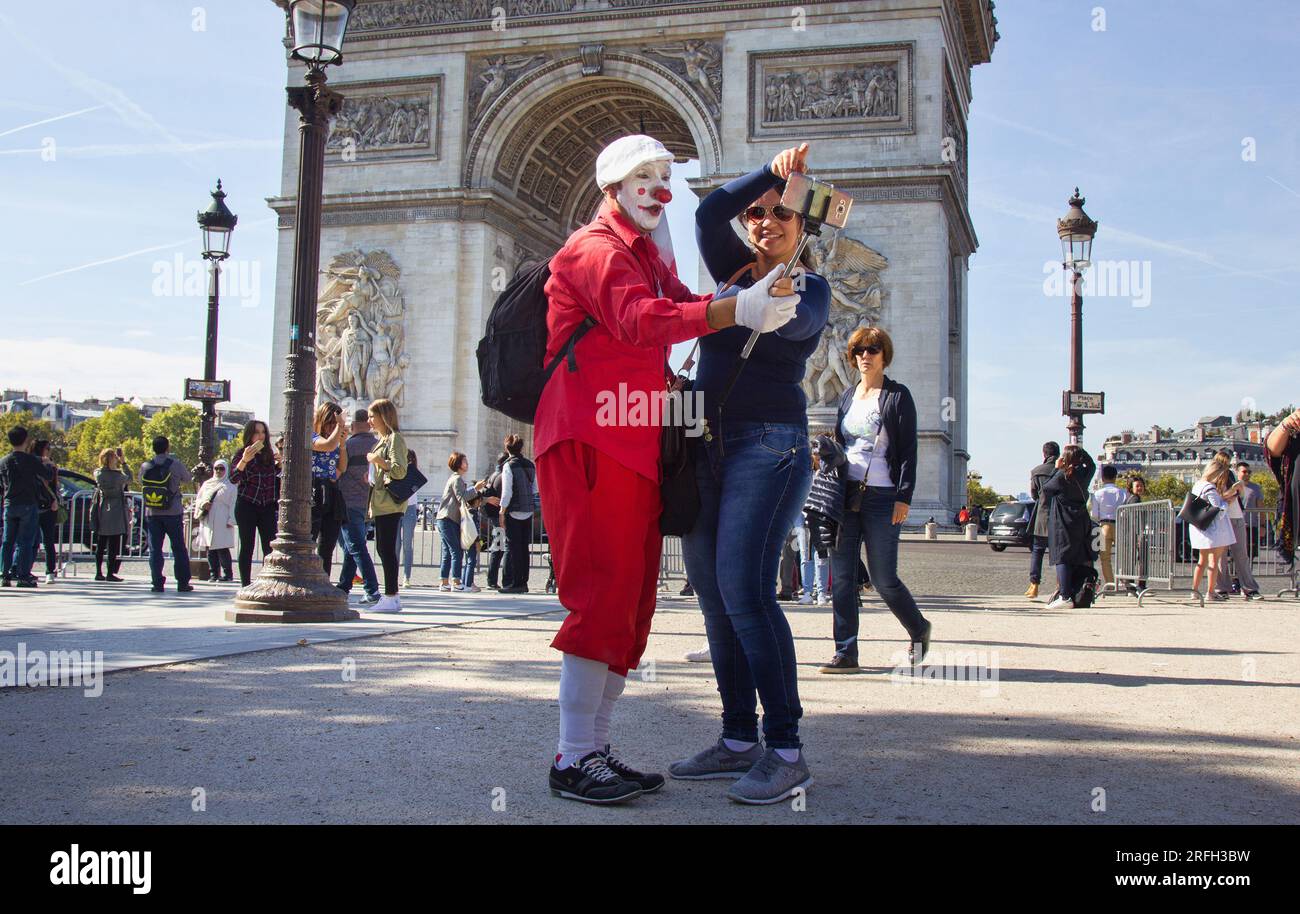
[[292, 588]]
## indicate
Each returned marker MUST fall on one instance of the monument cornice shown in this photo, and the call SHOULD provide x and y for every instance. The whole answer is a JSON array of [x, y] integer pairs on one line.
[[423, 205]]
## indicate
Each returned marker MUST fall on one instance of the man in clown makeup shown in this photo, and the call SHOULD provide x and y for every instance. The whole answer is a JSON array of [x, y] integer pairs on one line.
[[599, 481]]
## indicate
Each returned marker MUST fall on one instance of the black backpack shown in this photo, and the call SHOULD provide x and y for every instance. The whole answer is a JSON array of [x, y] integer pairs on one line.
[[510, 357], [156, 485]]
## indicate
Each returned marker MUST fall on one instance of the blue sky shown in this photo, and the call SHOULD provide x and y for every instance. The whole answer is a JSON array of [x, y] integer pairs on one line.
[[1147, 116]]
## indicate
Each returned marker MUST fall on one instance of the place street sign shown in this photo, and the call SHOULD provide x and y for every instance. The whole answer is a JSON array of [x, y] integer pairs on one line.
[[1077, 403], [207, 391]]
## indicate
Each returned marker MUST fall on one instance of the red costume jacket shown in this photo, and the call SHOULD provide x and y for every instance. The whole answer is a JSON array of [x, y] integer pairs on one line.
[[610, 271]]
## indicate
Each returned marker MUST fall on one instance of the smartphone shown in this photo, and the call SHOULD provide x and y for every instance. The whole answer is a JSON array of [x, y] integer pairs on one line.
[[817, 201]]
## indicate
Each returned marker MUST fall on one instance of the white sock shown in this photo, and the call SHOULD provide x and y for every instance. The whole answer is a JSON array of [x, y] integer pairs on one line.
[[614, 684], [738, 745], [789, 755], [582, 684]]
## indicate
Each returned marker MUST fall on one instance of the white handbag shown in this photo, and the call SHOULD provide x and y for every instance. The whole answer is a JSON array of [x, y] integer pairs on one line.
[[468, 529]]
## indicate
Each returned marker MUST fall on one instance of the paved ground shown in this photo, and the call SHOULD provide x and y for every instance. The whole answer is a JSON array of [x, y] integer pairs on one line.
[[1178, 713]]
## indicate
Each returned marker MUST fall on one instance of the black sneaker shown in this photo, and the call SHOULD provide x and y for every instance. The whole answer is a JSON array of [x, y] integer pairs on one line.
[[1254, 595], [648, 783], [687, 591], [184, 588], [923, 642], [841, 663], [6, 581], [156, 588], [591, 781], [26, 583]]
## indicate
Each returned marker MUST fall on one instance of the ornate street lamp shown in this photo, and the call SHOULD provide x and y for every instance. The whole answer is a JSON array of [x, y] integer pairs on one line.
[[1076, 232], [218, 224], [292, 586]]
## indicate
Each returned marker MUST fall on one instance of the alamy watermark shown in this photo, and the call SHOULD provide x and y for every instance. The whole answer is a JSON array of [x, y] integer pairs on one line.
[[948, 668], [186, 277], [1129, 279], [53, 668], [626, 408]]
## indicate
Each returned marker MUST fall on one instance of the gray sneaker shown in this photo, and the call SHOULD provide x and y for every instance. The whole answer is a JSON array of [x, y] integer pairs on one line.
[[717, 761], [771, 780]]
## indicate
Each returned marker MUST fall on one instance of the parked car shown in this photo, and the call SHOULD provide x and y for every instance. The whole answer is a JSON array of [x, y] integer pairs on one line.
[[1008, 525]]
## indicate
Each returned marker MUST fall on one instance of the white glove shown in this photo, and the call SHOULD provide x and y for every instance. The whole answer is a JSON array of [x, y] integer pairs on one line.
[[758, 309]]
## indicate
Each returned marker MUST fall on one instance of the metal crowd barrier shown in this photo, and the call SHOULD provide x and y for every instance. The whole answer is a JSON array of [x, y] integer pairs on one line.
[[76, 543], [1152, 547]]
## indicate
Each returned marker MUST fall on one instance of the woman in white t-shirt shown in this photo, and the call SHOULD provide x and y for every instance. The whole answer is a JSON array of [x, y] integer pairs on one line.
[[1215, 539], [876, 426]]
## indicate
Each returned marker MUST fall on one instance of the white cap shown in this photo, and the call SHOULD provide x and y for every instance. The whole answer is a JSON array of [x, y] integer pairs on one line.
[[625, 155]]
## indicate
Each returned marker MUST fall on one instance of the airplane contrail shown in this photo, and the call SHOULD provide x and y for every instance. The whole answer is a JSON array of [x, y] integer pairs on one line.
[[50, 120]]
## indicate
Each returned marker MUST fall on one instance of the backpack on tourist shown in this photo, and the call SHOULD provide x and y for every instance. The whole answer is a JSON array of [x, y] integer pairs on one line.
[[156, 485], [511, 355]]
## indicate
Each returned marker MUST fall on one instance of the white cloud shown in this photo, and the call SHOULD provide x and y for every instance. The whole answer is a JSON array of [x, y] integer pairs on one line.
[[82, 369]]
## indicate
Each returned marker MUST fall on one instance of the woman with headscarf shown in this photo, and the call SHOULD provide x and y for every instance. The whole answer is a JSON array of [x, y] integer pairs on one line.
[[214, 509], [1283, 447], [753, 472], [615, 280]]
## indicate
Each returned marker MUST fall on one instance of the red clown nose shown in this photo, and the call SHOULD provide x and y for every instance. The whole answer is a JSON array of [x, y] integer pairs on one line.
[[663, 195]]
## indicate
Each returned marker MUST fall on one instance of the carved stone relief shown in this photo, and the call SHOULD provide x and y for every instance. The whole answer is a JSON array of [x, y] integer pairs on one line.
[[831, 92], [852, 269], [361, 331]]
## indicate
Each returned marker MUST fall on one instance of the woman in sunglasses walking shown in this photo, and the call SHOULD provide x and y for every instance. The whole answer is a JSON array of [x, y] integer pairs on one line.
[[876, 426], [753, 469]]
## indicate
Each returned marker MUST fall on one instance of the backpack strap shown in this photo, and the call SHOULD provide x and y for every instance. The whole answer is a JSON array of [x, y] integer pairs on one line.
[[567, 353]]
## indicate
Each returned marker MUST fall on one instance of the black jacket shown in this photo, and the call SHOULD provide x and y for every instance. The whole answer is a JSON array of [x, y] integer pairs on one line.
[[21, 478], [898, 418], [1038, 477], [1069, 532]]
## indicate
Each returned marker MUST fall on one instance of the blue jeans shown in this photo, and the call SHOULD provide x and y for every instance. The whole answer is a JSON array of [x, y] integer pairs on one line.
[[749, 500], [874, 525], [469, 566], [173, 527], [452, 553], [18, 548], [356, 555], [814, 571], [406, 537], [1036, 551]]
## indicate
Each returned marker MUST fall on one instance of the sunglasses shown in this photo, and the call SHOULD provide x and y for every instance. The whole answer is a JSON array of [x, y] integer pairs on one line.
[[869, 350], [779, 213]]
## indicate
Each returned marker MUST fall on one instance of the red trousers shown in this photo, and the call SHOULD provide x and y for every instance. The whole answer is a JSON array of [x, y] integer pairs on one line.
[[602, 520]]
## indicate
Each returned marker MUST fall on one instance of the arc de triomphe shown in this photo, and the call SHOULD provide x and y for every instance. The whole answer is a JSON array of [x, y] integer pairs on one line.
[[466, 147]]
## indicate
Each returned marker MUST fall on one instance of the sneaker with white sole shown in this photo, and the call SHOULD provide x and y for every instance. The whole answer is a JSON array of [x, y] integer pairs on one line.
[[50, 579], [458, 587], [445, 588], [473, 588], [699, 656], [771, 780], [388, 605], [1060, 602], [591, 781], [369, 599], [715, 762], [806, 600]]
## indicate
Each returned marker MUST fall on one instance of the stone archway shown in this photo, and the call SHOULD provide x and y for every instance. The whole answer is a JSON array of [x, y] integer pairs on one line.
[[538, 140]]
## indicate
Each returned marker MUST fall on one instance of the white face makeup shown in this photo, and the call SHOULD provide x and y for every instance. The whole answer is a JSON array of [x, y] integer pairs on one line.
[[644, 192]]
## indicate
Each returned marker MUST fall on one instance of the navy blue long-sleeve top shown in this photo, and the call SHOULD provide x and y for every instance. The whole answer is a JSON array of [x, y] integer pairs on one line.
[[770, 386]]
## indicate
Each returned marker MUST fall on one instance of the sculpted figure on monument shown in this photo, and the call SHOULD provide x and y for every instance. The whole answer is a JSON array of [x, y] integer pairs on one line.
[[361, 332], [853, 271], [498, 73], [702, 63]]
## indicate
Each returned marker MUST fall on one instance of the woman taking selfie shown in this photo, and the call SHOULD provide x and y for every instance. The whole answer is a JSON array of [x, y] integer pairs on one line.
[[256, 476], [753, 477], [876, 426], [388, 461], [329, 459], [109, 513]]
